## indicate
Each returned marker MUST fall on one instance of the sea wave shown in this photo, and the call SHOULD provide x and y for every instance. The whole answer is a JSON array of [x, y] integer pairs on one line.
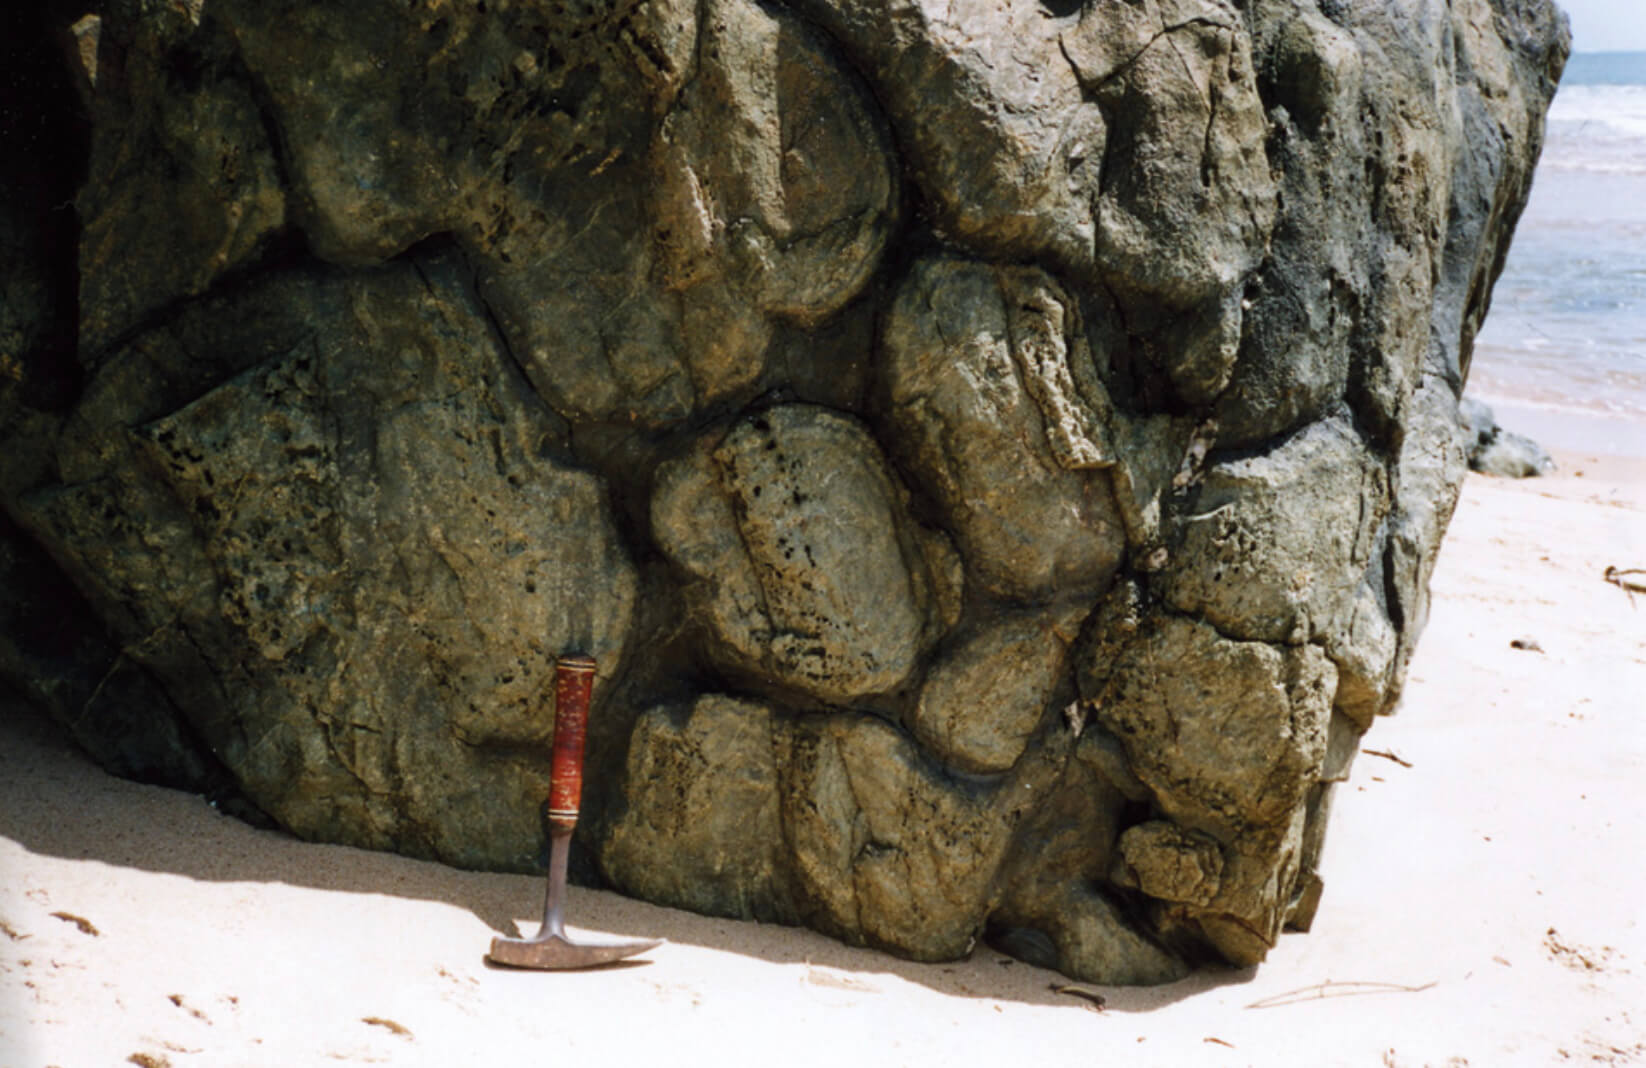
[[1598, 128], [1622, 107], [1567, 329]]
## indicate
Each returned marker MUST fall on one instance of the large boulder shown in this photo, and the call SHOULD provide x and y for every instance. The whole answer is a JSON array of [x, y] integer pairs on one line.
[[995, 452]]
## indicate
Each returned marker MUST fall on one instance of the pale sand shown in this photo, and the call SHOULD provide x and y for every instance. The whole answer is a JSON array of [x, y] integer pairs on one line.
[[1495, 887]]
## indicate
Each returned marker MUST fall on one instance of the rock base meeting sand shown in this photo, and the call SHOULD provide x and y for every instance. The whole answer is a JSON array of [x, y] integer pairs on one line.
[[1483, 901]]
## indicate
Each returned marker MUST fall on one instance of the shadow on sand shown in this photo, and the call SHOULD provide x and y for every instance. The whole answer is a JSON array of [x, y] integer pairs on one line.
[[55, 802]]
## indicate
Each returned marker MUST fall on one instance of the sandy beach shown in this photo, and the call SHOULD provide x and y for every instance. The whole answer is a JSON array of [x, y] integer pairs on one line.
[[1483, 893]]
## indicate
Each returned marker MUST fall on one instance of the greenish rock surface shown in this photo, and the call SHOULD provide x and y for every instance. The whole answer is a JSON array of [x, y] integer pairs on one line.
[[995, 452]]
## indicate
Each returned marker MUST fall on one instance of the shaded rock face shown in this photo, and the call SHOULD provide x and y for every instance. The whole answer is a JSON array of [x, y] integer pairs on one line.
[[364, 536], [995, 453]]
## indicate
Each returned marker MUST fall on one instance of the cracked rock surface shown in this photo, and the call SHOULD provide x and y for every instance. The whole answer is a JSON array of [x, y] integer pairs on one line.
[[995, 452]]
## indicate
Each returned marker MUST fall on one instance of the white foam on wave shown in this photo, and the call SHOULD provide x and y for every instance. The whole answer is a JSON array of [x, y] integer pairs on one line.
[[1598, 128], [1620, 107]]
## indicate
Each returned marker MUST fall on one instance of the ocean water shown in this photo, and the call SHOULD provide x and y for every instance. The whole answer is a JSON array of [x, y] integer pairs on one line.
[[1564, 345]]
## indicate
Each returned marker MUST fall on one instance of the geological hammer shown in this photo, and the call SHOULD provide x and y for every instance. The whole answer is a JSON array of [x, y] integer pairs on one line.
[[551, 949]]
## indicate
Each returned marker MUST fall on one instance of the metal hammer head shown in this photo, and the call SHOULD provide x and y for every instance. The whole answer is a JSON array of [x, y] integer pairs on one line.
[[554, 951]]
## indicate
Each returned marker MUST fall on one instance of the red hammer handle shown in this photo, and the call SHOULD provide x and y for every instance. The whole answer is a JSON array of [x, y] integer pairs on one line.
[[573, 681]]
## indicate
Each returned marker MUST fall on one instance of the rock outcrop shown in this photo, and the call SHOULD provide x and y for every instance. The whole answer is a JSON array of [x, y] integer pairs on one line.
[[996, 453], [1496, 451]]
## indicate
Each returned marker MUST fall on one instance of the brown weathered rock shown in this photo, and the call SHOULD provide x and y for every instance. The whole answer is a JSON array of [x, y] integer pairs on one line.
[[798, 550], [996, 452], [1270, 544], [837, 820], [990, 420], [986, 696], [1238, 771], [703, 787], [1167, 862]]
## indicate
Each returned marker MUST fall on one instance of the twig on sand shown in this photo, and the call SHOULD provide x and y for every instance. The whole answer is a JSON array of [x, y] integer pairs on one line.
[[1330, 989], [1098, 1001], [1615, 575], [389, 1025], [85, 925], [1388, 755]]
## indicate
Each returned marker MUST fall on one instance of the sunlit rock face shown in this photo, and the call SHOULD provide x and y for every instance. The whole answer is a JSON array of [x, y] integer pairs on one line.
[[995, 452]]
